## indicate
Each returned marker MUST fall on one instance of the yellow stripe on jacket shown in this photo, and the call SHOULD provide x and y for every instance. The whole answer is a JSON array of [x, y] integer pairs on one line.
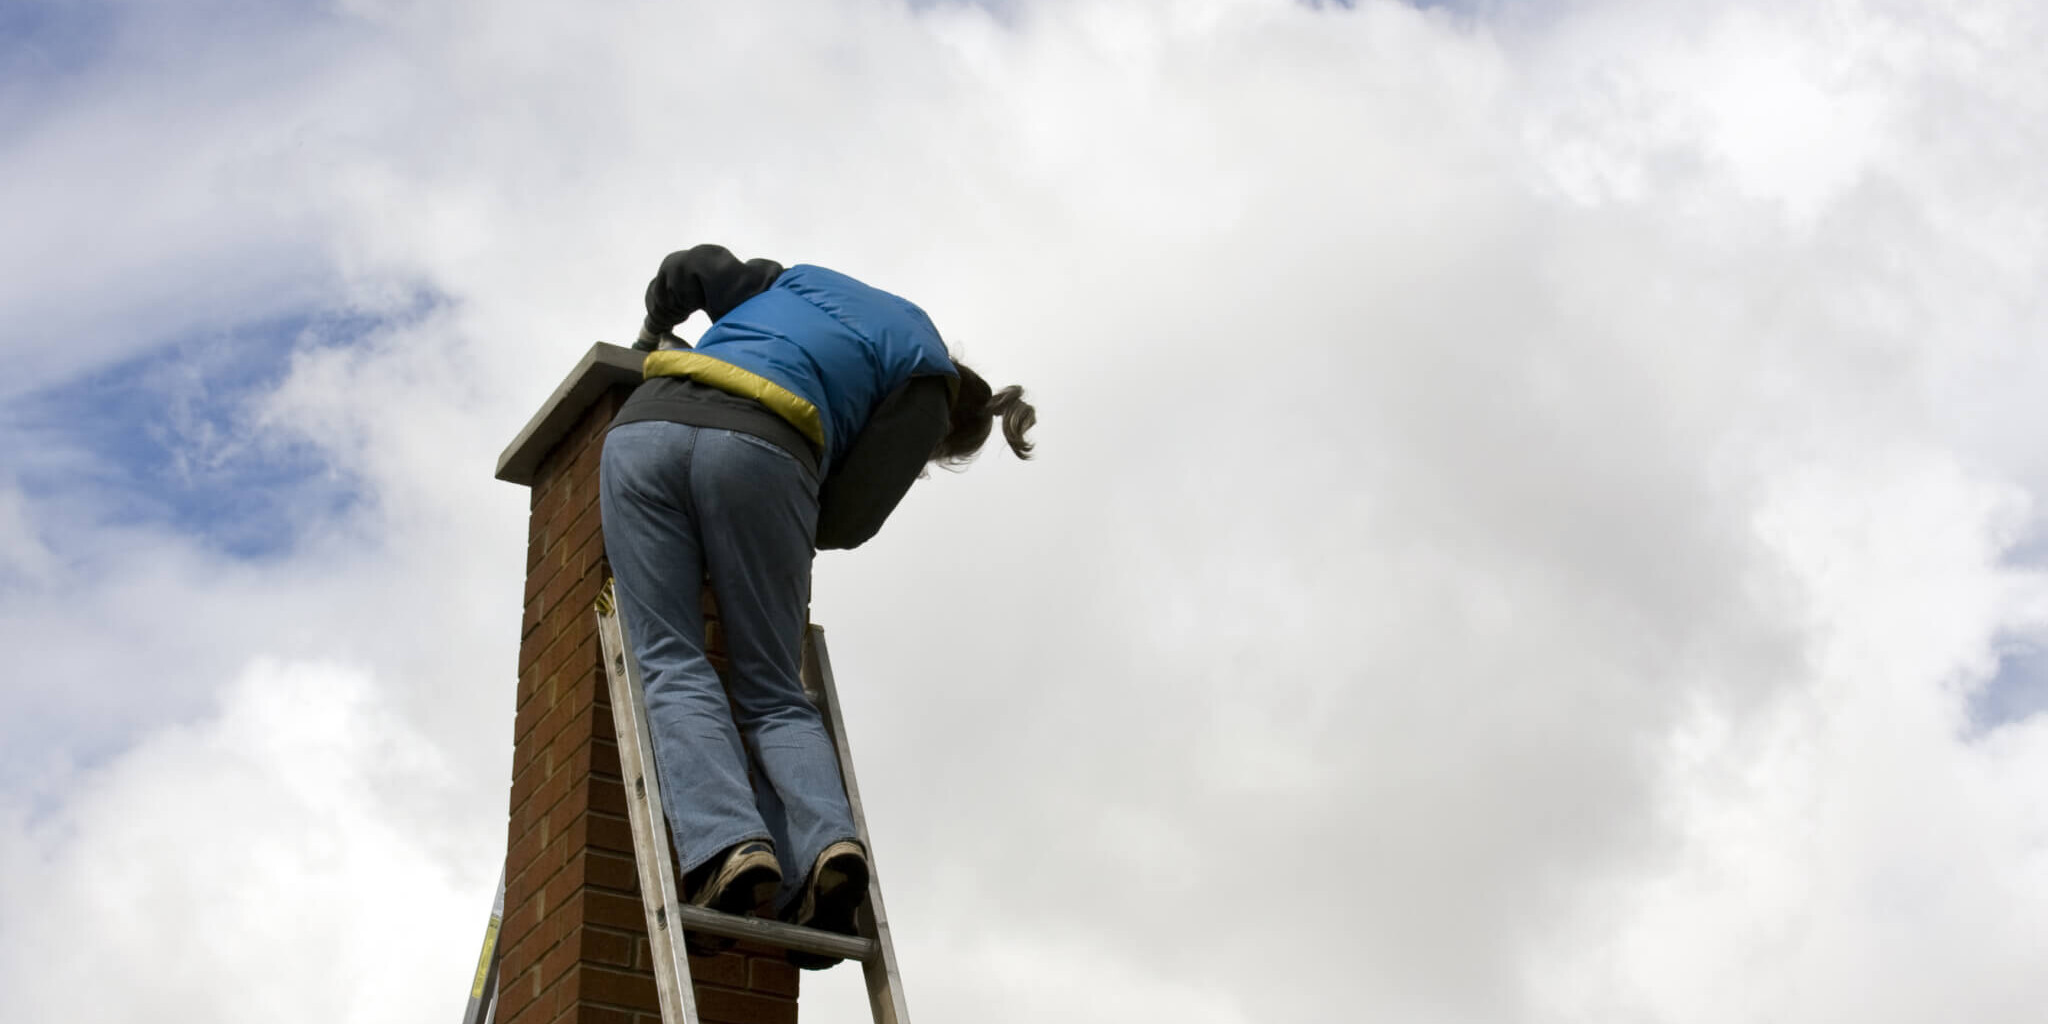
[[726, 377]]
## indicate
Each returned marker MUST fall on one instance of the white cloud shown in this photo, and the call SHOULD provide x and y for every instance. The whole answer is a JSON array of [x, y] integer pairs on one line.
[[23, 555], [1524, 499], [1848, 831], [271, 861]]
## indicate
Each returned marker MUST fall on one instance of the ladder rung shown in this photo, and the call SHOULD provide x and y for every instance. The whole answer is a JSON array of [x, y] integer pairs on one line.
[[775, 933]]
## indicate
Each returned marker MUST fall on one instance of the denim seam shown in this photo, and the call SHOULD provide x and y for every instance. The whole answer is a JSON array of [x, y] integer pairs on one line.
[[689, 494], [761, 442]]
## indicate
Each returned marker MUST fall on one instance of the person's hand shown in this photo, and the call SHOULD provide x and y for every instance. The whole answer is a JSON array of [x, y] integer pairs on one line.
[[650, 341]]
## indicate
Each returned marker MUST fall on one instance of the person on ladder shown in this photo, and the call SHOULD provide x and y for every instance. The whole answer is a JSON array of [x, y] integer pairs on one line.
[[798, 422]]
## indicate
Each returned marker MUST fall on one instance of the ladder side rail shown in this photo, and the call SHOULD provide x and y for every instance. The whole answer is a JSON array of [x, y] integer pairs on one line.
[[884, 981], [483, 994], [658, 886]]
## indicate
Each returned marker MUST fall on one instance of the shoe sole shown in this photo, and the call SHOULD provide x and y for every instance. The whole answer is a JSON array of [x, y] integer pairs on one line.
[[748, 888], [834, 901]]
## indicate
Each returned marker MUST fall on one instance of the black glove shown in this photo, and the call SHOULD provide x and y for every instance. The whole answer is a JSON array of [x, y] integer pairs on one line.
[[707, 277], [650, 341]]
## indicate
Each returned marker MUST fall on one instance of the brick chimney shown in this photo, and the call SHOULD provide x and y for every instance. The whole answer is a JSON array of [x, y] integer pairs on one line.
[[574, 936]]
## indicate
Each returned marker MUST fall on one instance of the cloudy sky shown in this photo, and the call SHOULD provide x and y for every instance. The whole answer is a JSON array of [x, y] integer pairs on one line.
[[1539, 515]]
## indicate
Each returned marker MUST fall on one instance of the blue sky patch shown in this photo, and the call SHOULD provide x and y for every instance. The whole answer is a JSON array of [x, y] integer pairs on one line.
[[2018, 691], [41, 38], [171, 439]]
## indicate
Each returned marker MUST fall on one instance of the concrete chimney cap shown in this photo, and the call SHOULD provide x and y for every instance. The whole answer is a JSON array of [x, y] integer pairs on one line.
[[604, 367]]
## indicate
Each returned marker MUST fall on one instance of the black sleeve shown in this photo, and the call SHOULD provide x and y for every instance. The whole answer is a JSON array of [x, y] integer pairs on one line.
[[885, 460], [708, 277]]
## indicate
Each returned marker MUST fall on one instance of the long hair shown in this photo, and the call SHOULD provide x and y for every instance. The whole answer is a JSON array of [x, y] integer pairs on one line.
[[975, 410]]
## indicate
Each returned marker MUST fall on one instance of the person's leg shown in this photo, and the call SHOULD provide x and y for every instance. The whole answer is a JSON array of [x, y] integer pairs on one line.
[[759, 509], [651, 535]]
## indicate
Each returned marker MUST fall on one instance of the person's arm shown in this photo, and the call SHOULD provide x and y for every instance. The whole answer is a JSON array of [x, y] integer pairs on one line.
[[707, 277], [885, 460]]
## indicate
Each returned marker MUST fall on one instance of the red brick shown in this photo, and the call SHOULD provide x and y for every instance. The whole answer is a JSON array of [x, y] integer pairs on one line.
[[584, 1013], [527, 779], [589, 451], [561, 493], [546, 802], [608, 796], [569, 884], [539, 873], [772, 976], [575, 592], [569, 656], [591, 722], [607, 946], [567, 485], [531, 650], [548, 827], [581, 682], [552, 839], [513, 929], [618, 988], [574, 524], [555, 598], [519, 893], [725, 1006], [572, 658], [603, 832], [583, 759], [571, 746], [551, 1000], [527, 952], [587, 558], [538, 577], [515, 991], [595, 906], [566, 756], [606, 871], [729, 969], [523, 722], [604, 946], [542, 723], [521, 849], [536, 715], [554, 857], [559, 961], [543, 471]]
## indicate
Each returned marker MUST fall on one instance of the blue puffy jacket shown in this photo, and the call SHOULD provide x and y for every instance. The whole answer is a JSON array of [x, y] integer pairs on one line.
[[818, 348]]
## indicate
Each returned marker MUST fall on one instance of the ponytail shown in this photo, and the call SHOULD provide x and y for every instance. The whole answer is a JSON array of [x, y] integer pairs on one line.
[[1017, 415], [975, 410]]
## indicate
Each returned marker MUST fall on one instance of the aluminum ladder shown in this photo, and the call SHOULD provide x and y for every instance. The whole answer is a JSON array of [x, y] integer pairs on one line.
[[483, 992], [667, 915]]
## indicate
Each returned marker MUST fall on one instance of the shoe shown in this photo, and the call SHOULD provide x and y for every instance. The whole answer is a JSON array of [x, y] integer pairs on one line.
[[743, 879], [837, 887]]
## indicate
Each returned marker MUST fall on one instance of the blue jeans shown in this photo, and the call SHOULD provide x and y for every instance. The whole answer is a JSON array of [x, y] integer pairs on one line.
[[681, 503]]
